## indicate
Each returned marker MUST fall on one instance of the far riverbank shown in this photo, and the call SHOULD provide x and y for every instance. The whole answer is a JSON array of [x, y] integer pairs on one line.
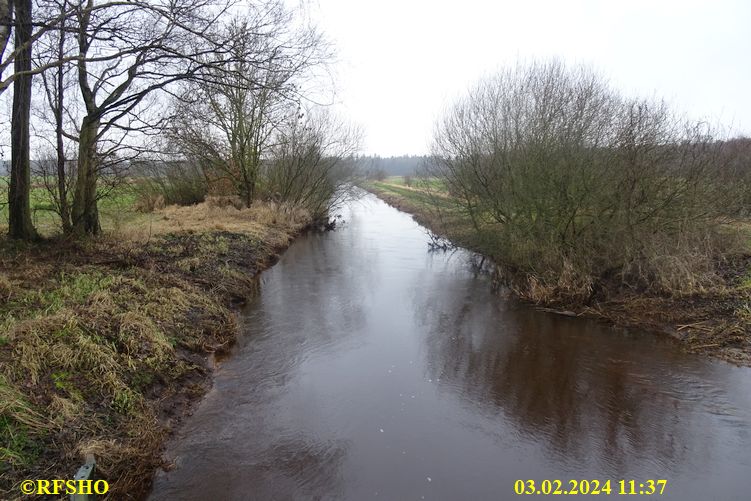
[[716, 322]]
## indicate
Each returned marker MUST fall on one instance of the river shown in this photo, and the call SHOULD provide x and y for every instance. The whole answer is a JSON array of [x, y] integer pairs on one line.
[[370, 368]]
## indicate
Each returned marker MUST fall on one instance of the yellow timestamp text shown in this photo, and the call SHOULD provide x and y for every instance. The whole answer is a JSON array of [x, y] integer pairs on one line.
[[592, 487]]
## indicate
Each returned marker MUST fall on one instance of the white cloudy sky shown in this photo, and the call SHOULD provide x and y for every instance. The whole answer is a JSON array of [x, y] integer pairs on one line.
[[401, 61]]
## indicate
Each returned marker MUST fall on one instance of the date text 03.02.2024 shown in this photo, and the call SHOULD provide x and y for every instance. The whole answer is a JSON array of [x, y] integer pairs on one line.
[[594, 487]]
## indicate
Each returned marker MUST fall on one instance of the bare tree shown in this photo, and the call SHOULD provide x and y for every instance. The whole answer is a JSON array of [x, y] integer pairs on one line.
[[127, 53], [227, 119], [39, 26], [312, 162], [57, 86], [21, 57]]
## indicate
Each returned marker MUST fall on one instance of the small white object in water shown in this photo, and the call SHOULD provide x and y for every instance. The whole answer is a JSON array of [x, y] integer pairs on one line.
[[381, 430], [430, 479]]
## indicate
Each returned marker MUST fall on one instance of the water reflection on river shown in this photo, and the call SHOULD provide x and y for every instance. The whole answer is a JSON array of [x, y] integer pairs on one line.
[[372, 369]]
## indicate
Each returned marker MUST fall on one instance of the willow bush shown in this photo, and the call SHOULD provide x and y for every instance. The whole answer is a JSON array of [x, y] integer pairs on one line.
[[583, 189], [311, 165]]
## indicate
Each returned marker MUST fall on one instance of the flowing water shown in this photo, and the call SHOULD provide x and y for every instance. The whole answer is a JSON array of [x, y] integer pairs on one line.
[[370, 368]]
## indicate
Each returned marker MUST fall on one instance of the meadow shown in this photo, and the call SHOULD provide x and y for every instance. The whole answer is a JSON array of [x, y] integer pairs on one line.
[[117, 209]]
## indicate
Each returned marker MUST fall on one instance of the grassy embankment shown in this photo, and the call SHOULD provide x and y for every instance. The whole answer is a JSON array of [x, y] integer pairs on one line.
[[105, 343], [716, 321]]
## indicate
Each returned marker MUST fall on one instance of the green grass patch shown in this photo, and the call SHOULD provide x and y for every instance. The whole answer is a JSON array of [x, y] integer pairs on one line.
[[21, 428], [68, 289], [116, 208], [417, 182], [425, 198]]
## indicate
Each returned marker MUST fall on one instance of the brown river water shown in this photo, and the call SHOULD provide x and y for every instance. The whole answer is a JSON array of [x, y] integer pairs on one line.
[[370, 368]]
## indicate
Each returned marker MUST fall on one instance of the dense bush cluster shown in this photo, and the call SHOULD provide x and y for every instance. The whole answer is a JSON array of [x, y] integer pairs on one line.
[[579, 186]]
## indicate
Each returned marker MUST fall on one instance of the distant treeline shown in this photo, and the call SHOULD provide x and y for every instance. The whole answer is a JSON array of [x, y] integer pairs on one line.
[[405, 165]]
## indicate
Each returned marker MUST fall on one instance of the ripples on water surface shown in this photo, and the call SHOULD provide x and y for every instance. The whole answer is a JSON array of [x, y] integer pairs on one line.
[[369, 368]]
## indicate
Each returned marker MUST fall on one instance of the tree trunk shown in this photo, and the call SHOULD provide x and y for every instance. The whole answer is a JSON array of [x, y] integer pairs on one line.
[[85, 212], [62, 191], [19, 205], [6, 22]]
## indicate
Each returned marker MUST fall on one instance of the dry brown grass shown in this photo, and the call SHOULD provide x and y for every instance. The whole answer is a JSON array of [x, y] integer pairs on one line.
[[103, 343], [225, 201], [263, 219], [6, 288], [88, 366]]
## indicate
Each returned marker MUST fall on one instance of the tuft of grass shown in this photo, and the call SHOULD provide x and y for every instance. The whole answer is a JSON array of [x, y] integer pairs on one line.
[[270, 221], [6, 289], [72, 288], [19, 424], [745, 281]]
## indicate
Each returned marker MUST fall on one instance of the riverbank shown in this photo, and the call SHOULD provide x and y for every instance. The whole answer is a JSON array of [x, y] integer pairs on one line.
[[105, 344], [715, 322]]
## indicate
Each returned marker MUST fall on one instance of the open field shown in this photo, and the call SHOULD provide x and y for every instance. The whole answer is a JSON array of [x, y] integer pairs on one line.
[[417, 182], [104, 343], [716, 321], [117, 210]]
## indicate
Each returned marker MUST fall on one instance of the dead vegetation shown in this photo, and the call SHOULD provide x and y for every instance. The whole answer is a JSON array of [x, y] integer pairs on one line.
[[103, 343], [716, 322]]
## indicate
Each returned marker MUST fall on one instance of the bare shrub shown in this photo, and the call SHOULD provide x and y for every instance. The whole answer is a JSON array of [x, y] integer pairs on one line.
[[582, 187], [161, 183], [376, 174], [312, 163], [228, 118], [225, 201], [148, 202]]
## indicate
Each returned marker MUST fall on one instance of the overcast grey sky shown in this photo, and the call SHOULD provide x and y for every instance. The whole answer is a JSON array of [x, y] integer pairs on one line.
[[401, 61]]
